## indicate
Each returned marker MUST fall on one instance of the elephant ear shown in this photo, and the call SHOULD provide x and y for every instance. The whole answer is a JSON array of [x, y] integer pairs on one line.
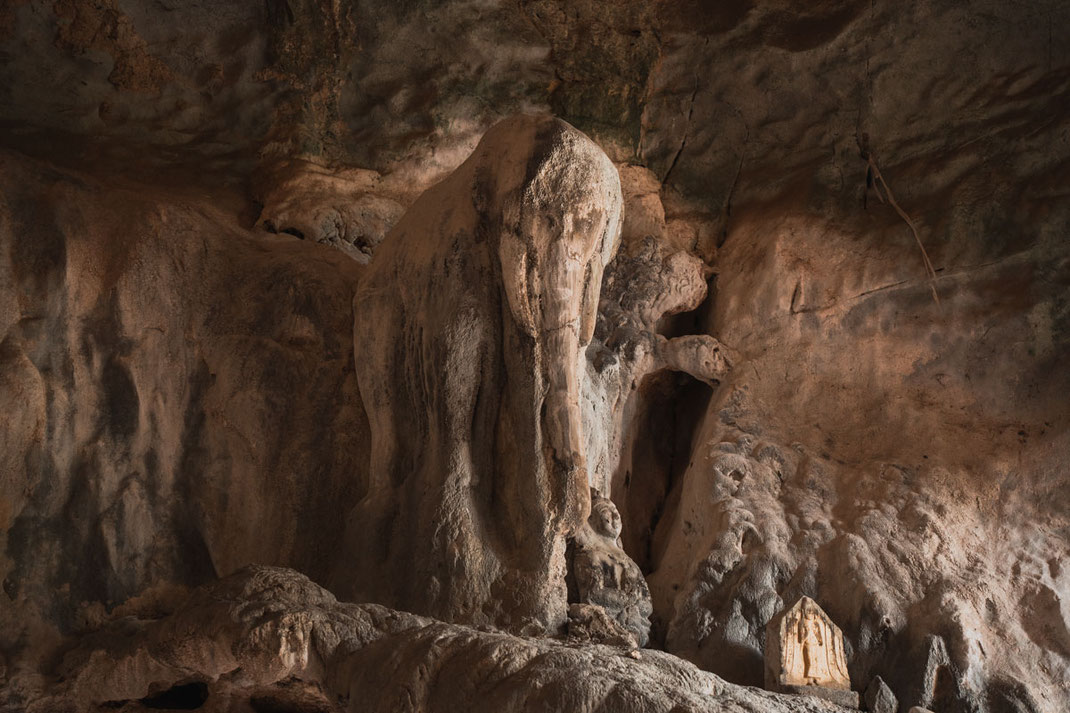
[[515, 265]]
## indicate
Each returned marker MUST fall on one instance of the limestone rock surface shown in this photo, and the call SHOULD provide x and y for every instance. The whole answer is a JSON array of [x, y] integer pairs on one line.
[[770, 393], [879, 698], [351, 210], [592, 623], [871, 435], [179, 393], [263, 631]]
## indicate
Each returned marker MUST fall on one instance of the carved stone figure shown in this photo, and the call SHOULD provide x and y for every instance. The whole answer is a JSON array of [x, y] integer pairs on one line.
[[814, 652], [604, 574], [804, 654]]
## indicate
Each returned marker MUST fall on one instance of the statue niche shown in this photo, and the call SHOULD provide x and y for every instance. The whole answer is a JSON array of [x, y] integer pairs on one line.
[[804, 654], [604, 575]]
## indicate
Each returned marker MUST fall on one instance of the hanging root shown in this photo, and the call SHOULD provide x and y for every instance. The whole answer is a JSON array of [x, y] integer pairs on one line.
[[874, 178]]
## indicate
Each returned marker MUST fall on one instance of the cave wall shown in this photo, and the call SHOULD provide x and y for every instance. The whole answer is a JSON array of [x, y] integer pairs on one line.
[[180, 398], [876, 448], [777, 394]]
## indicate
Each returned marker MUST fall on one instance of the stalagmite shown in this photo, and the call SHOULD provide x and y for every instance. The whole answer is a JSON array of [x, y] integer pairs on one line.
[[470, 374]]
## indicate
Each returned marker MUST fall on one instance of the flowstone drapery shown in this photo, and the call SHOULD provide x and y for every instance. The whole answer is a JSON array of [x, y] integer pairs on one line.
[[471, 322]]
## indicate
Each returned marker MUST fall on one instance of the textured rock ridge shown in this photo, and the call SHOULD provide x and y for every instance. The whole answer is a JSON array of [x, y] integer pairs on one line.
[[263, 632]]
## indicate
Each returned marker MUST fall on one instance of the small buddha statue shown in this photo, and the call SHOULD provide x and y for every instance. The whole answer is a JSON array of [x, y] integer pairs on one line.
[[812, 641], [605, 575], [804, 653]]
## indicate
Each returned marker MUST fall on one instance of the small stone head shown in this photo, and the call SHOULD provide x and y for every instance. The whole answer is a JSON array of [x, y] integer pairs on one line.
[[604, 519], [810, 610]]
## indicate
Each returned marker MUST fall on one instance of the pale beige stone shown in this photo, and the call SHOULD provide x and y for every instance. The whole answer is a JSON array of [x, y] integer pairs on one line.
[[804, 648], [592, 623], [351, 209]]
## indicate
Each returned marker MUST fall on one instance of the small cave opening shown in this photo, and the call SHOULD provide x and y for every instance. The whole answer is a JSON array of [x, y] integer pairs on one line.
[[646, 487], [672, 404], [661, 437]]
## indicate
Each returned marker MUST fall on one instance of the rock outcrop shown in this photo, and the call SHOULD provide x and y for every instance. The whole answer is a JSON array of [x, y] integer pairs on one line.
[[351, 210], [254, 638], [179, 394]]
